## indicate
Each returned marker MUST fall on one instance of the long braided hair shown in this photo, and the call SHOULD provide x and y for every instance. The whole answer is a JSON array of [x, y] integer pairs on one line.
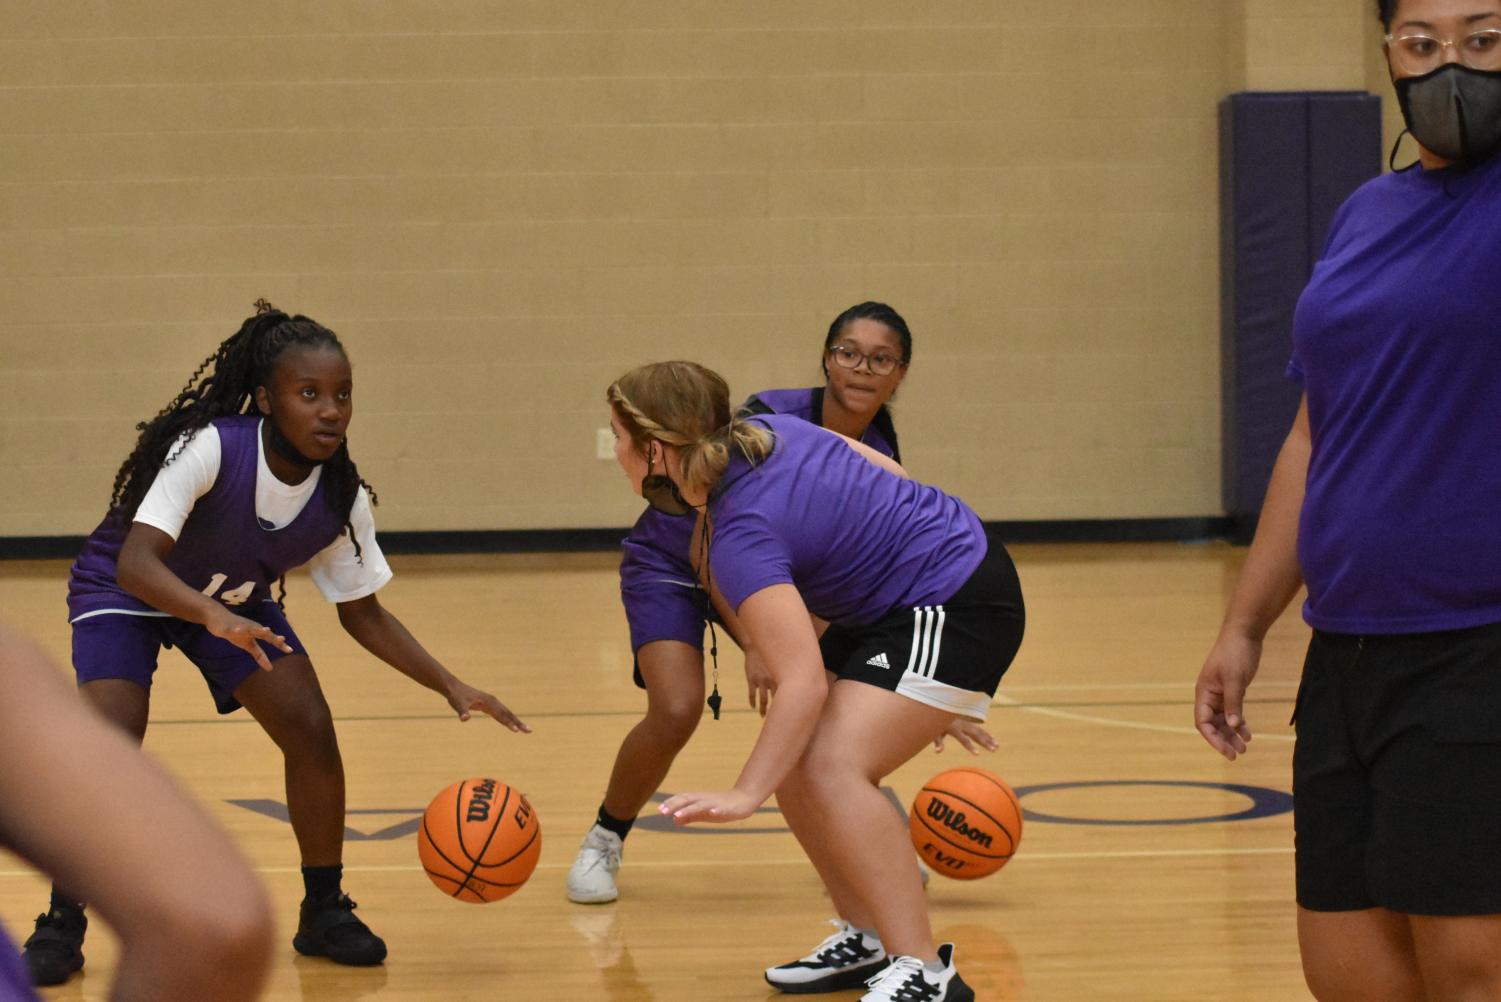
[[224, 385], [686, 405]]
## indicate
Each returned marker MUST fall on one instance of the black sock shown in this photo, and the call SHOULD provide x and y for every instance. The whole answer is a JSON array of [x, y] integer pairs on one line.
[[609, 824], [322, 881], [61, 900]]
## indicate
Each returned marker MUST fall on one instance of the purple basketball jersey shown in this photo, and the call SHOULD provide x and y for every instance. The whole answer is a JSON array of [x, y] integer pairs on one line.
[[223, 551], [808, 405]]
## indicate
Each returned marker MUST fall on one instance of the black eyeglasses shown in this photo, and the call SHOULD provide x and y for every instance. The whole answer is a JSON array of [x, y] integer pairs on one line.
[[881, 363]]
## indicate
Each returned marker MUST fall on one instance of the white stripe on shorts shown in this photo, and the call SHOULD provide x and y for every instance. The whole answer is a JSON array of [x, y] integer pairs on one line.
[[927, 639], [119, 612], [918, 681], [937, 643]]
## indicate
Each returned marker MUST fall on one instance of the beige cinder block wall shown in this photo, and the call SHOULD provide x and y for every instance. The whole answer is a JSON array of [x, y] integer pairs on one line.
[[502, 206]]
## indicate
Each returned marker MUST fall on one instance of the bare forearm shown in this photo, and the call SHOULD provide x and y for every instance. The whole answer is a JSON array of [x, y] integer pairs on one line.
[[142, 573], [384, 636], [788, 727]]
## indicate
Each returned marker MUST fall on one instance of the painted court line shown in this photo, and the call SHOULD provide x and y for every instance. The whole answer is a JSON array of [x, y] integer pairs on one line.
[[1137, 725], [1109, 686], [681, 864]]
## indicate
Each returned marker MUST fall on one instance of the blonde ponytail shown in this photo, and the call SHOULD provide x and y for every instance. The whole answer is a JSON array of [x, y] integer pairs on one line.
[[686, 405]]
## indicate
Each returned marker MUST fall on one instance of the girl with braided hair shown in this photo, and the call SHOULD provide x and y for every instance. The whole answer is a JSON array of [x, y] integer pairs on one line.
[[242, 477], [798, 524], [865, 357]]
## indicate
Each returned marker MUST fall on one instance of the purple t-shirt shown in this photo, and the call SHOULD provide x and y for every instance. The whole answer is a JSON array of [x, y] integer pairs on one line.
[[15, 983], [657, 585], [807, 404], [857, 541], [223, 549], [1397, 341]]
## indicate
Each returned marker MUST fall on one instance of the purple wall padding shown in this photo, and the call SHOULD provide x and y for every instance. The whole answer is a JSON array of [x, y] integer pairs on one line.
[[1287, 162]]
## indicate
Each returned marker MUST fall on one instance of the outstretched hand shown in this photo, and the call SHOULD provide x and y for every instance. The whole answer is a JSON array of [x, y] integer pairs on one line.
[[970, 735], [465, 699], [1219, 694], [726, 805], [247, 635]]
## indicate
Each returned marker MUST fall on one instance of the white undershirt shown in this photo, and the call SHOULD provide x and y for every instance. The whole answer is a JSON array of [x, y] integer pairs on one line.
[[192, 470]]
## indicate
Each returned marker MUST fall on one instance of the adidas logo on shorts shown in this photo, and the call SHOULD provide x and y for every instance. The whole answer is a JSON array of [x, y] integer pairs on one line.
[[879, 661]]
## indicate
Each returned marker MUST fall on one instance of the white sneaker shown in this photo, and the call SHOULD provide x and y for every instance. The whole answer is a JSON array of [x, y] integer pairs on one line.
[[844, 960], [591, 880], [908, 980]]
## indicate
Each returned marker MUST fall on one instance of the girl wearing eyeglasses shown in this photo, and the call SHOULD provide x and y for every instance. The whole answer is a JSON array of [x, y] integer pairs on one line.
[[802, 525], [1384, 501]]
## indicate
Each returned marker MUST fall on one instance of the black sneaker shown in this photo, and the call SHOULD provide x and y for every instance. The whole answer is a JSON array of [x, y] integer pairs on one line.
[[846, 959], [55, 950], [908, 980], [328, 928]]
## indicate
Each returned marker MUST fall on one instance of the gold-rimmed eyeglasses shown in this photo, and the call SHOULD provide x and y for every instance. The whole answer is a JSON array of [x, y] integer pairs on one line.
[[1419, 54]]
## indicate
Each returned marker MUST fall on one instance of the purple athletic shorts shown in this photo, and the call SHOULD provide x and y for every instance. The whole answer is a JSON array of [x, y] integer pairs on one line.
[[124, 646]]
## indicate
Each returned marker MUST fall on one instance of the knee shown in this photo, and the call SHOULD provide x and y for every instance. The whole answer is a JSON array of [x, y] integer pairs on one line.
[[239, 941], [820, 776], [673, 719], [223, 950], [307, 730]]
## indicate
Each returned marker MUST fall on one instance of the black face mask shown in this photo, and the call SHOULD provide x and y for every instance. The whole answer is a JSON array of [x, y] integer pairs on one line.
[[1455, 112], [662, 494]]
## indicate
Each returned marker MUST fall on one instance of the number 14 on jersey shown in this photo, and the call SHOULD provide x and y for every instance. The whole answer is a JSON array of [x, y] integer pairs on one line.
[[235, 596]]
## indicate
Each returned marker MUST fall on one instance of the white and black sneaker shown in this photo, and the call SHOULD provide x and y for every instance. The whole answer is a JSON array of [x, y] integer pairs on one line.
[[846, 959], [909, 980]]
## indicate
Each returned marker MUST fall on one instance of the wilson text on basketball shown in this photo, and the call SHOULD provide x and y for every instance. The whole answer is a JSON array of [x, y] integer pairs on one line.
[[480, 800], [954, 821]]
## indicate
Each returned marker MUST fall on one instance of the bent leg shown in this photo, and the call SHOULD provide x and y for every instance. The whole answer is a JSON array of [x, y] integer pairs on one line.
[[288, 702], [793, 800], [114, 657], [674, 675], [1460, 956], [123, 703], [1360, 956], [864, 734]]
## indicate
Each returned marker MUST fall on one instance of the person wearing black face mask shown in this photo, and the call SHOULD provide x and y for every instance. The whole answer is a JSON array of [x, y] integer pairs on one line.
[[1449, 89], [1386, 502]]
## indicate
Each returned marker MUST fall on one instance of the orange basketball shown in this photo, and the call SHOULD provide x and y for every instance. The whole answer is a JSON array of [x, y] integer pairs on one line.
[[965, 823], [479, 841]]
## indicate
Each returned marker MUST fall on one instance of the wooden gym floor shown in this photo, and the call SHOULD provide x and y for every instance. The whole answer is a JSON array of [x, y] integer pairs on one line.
[[1150, 869]]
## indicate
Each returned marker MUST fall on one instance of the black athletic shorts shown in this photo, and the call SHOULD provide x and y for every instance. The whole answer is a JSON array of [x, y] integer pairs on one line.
[[950, 655], [1397, 773]]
